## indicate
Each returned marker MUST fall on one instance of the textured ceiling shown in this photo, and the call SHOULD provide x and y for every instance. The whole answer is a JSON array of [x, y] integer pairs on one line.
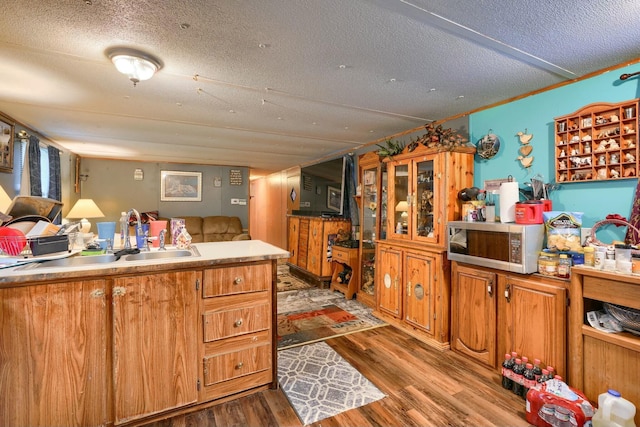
[[277, 83]]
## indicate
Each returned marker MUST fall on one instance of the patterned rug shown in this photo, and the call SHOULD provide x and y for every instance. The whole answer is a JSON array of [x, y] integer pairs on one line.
[[288, 282], [319, 383], [312, 315]]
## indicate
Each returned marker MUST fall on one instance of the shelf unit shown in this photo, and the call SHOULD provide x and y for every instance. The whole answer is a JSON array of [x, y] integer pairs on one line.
[[343, 258], [597, 360], [597, 142]]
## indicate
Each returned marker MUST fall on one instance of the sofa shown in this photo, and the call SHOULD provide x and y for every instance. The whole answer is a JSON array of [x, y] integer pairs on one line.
[[212, 228]]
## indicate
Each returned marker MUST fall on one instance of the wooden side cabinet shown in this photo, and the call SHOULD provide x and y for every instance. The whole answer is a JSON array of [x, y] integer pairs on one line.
[[597, 360], [495, 312], [343, 257]]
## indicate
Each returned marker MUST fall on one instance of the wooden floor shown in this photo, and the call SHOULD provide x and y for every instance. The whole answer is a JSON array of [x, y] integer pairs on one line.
[[424, 387]]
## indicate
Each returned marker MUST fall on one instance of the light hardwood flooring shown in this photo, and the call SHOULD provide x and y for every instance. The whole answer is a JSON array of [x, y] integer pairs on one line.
[[424, 387]]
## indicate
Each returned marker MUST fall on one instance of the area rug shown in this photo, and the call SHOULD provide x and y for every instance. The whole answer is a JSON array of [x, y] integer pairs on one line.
[[287, 282], [319, 383], [312, 315]]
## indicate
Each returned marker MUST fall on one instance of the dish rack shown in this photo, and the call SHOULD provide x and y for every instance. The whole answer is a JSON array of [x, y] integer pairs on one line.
[[35, 246], [628, 318]]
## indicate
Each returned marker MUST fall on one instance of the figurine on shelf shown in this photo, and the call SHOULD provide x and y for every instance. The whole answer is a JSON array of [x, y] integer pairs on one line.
[[602, 160], [613, 144], [562, 164], [628, 143], [629, 171], [614, 118], [562, 177], [586, 138], [602, 146], [587, 148], [563, 153], [614, 173], [601, 174], [629, 157], [600, 120], [614, 159]]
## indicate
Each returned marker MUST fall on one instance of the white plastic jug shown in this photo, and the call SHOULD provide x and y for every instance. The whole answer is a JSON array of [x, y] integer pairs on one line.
[[614, 411]]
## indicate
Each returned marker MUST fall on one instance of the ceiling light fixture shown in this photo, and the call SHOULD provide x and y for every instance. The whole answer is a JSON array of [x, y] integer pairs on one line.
[[133, 63]]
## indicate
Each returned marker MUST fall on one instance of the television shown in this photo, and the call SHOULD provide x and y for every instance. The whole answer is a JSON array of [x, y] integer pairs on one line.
[[322, 189]]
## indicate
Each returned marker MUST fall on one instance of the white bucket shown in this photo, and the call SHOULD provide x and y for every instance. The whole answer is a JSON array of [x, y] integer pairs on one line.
[[614, 411]]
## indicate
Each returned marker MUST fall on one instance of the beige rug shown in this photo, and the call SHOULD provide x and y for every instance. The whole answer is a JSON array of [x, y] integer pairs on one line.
[[288, 282]]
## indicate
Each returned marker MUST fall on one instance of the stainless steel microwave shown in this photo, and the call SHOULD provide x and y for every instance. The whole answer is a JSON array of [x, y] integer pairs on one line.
[[509, 247]]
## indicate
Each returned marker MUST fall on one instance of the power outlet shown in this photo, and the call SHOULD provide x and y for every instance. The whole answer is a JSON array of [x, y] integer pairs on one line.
[[584, 233]]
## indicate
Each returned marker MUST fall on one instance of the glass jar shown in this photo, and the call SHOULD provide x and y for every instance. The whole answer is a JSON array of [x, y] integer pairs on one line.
[[548, 263], [589, 256], [564, 266]]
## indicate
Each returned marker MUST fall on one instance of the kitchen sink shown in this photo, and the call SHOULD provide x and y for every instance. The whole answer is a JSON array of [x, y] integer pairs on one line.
[[73, 261], [176, 253]]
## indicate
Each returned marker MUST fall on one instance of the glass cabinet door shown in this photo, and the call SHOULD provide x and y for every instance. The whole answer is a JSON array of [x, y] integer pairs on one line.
[[423, 200], [399, 209], [370, 217]]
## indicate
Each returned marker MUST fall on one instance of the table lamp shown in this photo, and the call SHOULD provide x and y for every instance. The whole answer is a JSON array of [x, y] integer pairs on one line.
[[5, 200], [85, 208], [403, 207]]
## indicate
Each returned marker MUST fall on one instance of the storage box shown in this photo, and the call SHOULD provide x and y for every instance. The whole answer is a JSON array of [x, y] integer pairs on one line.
[[49, 244]]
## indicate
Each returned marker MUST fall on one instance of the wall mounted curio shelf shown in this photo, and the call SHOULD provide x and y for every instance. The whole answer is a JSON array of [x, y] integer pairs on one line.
[[597, 142]]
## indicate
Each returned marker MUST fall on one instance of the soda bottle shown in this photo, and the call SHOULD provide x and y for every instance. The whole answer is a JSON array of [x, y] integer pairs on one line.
[[536, 368], [518, 379], [507, 372], [543, 378], [529, 379]]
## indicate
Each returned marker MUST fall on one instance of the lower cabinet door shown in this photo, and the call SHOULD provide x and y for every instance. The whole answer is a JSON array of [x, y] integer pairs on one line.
[[389, 275], [155, 343], [473, 313], [419, 299]]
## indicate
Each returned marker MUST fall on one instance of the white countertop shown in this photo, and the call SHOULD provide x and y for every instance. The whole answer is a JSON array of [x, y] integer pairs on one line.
[[212, 253]]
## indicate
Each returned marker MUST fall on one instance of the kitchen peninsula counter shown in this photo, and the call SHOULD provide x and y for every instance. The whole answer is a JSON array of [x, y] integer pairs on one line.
[[131, 342]]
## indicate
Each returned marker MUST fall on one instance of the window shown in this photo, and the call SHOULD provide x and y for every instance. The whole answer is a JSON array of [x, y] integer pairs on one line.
[[18, 167]]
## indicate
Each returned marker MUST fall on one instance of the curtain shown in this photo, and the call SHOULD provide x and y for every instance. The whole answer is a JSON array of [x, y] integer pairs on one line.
[[55, 180], [34, 166], [350, 208]]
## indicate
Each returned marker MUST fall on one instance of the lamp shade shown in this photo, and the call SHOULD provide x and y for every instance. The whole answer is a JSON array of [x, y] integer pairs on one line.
[[402, 206], [135, 64], [85, 208]]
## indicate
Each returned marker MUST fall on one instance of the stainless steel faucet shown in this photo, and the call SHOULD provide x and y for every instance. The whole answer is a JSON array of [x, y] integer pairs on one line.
[[127, 242]]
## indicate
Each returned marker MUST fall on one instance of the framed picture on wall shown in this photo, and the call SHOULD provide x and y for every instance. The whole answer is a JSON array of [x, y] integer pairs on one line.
[[334, 197], [177, 186], [7, 132]]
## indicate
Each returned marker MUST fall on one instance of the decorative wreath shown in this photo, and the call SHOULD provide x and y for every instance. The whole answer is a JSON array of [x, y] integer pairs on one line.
[[614, 219]]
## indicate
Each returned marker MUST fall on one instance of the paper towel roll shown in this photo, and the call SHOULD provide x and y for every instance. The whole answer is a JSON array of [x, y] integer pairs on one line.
[[509, 196]]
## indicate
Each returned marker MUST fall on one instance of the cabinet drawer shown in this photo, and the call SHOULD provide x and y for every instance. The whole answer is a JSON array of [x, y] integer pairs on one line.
[[235, 280], [236, 321], [227, 366], [341, 255]]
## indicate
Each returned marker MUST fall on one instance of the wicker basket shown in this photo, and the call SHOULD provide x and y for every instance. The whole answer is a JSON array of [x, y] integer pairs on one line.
[[594, 240]]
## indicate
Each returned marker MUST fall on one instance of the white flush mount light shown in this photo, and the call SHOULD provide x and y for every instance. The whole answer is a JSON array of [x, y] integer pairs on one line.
[[135, 64]]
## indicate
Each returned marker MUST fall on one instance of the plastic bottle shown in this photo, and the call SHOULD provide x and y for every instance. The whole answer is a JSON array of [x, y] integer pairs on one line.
[[543, 378], [536, 368], [518, 379], [564, 266], [614, 411], [507, 372], [529, 379], [589, 256], [124, 223]]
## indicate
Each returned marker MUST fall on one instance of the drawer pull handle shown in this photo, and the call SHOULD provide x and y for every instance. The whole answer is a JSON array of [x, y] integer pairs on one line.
[[238, 323], [239, 365], [237, 280]]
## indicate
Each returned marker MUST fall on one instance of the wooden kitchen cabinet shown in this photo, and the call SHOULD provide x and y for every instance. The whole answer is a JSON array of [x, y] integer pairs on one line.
[[422, 186], [495, 312], [598, 360], [237, 322], [155, 343], [473, 313], [53, 353]]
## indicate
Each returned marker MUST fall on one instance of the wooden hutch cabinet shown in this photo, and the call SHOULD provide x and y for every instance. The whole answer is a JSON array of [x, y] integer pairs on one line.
[[372, 201], [310, 243], [412, 270]]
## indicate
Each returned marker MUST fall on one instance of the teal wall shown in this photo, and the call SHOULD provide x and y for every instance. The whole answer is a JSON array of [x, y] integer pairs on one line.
[[536, 114]]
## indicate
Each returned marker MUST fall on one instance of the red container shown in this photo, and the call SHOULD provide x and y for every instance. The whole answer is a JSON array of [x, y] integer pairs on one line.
[[529, 212]]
